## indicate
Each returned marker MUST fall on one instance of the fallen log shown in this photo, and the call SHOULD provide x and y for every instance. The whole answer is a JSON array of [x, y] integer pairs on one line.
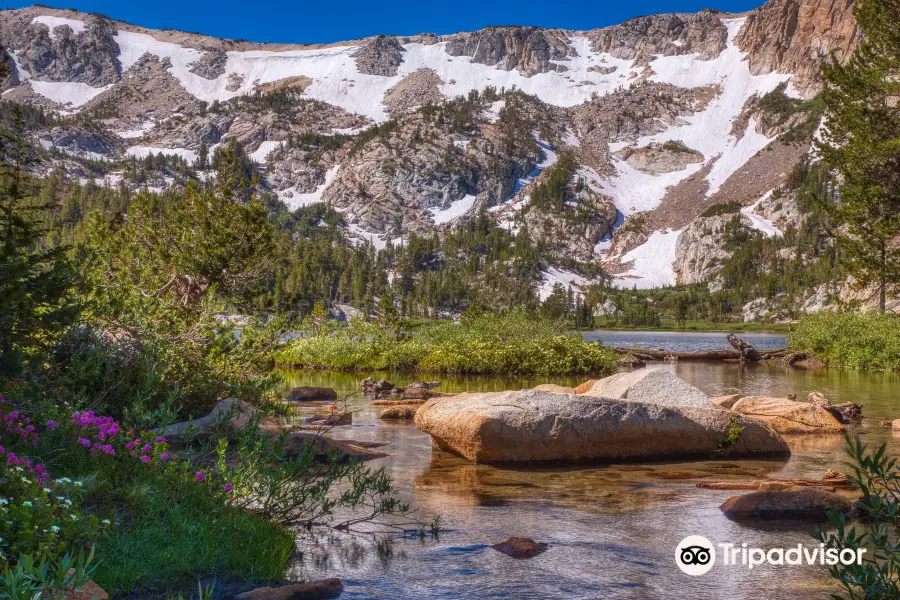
[[660, 354], [830, 480], [747, 351]]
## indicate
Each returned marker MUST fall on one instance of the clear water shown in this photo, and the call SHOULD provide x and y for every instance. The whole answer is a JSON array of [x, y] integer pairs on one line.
[[612, 529]]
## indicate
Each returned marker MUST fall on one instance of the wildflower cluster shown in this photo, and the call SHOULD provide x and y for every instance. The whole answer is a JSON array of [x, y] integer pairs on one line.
[[18, 424], [42, 517]]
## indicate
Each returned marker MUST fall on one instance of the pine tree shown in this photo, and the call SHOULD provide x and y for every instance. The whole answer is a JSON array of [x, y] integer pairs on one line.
[[35, 280], [862, 144]]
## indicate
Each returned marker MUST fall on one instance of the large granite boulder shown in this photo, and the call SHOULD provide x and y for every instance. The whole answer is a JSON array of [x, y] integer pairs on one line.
[[787, 416], [659, 386], [808, 503], [534, 426]]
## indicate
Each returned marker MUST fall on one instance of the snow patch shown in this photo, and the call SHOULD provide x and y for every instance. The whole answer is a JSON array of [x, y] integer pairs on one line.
[[67, 93], [54, 22], [552, 276], [456, 209], [759, 222], [295, 200], [265, 148], [144, 151], [651, 262]]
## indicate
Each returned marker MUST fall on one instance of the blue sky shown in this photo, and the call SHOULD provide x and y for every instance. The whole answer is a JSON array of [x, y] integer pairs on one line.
[[335, 20]]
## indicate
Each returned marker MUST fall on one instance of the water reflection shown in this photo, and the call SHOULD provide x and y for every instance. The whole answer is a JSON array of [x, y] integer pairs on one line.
[[612, 529]]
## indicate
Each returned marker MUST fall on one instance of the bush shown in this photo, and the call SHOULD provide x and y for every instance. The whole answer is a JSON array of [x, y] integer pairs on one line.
[[514, 343], [877, 478], [864, 341]]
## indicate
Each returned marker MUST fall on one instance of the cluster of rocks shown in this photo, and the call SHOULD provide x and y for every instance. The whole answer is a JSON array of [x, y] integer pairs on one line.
[[530, 50]]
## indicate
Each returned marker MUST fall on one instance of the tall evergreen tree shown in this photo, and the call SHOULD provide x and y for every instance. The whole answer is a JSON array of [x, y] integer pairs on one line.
[[35, 280], [862, 143]]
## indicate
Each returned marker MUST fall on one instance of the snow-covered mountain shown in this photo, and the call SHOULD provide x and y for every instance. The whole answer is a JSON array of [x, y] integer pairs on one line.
[[656, 120]]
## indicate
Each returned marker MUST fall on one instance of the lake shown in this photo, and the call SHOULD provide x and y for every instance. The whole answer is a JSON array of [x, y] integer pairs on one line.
[[612, 529]]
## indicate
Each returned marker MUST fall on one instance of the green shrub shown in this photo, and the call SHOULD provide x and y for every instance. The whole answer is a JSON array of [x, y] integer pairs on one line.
[[514, 343], [864, 341]]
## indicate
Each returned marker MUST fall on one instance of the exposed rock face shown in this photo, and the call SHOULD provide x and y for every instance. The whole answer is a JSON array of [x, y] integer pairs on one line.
[[699, 251], [788, 417], [651, 108], [657, 159], [61, 55], [528, 49], [641, 38], [552, 387], [657, 386], [808, 503], [80, 142], [532, 426], [797, 36], [148, 92], [416, 89], [211, 65], [380, 55]]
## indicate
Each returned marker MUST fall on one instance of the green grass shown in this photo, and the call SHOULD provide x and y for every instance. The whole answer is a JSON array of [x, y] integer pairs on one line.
[[168, 547], [861, 341], [511, 344]]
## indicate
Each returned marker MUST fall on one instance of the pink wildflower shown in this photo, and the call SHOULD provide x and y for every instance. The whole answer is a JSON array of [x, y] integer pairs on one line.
[[160, 440], [145, 459], [164, 457], [228, 487], [147, 448], [51, 424], [200, 475], [84, 442]]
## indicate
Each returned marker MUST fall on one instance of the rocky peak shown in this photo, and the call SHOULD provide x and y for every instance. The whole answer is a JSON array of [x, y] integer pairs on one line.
[[642, 38], [797, 36], [527, 49], [62, 55], [380, 55]]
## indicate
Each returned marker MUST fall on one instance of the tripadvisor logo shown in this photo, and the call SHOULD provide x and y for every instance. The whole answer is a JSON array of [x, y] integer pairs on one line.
[[696, 555]]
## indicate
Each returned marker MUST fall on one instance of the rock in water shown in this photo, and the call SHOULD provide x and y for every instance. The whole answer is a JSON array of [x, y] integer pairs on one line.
[[532, 426], [552, 387], [799, 503], [316, 590], [786, 416], [305, 393], [403, 412], [658, 386], [518, 547]]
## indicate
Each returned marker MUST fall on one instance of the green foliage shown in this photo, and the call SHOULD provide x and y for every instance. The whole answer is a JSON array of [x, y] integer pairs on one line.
[[725, 208], [865, 341], [862, 143], [734, 432], [514, 343], [877, 478], [37, 580], [35, 278]]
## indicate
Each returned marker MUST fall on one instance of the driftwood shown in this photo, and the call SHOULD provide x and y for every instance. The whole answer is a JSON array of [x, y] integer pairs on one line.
[[747, 351], [830, 480], [725, 355]]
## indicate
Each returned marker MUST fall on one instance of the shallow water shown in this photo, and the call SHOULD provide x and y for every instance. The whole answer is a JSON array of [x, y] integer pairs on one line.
[[612, 529]]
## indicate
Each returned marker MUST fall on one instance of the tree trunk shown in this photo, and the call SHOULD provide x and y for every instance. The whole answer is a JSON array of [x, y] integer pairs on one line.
[[746, 350], [883, 283]]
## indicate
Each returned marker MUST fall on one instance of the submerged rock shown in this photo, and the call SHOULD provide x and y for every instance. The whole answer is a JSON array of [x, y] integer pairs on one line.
[[379, 389], [533, 426], [316, 590], [788, 417], [519, 547], [402, 412], [306, 393], [808, 503], [657, 386]]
